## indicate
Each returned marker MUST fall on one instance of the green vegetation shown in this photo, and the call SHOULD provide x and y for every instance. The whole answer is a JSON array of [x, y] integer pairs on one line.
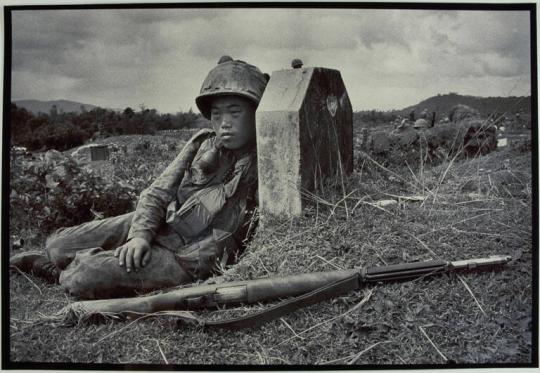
[[51, 195], [458, 209], [372, 118], [63, 131], [51, 190]]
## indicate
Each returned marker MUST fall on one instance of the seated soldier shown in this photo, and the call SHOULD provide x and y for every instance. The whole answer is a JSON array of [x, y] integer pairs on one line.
[[192, 219]]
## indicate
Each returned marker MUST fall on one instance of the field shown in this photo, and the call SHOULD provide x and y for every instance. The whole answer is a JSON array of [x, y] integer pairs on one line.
[[460, 209]]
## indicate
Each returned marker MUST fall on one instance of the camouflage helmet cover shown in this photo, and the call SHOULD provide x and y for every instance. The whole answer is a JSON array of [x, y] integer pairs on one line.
[[231, 77]]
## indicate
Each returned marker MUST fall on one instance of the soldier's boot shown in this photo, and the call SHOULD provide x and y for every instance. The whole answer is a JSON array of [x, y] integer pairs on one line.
[[36, 263]]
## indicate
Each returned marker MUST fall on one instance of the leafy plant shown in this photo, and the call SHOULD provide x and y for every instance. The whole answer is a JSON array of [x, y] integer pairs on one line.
[[49, 194]]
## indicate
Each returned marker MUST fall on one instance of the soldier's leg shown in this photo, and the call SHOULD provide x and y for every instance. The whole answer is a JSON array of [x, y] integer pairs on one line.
[[63, 244], [95, 273], [106, 234]]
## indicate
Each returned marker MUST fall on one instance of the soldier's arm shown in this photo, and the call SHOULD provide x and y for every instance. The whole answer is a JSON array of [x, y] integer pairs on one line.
[[153, 201]]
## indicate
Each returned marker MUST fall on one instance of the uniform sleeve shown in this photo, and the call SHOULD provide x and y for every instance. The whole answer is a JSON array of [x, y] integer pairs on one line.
[[152, 205]]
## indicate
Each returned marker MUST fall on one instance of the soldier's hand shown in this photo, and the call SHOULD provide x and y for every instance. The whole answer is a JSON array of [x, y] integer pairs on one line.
[[134, 254]]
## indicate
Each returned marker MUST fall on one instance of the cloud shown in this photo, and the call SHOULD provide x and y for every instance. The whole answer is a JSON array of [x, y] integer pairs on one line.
[[159, 57], [273, 29], [56, 35]]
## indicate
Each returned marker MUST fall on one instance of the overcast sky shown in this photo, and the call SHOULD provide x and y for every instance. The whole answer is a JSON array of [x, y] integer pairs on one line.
[[159, 57]]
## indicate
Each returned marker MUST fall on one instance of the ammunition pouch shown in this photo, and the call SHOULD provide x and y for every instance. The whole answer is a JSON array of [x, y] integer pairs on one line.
[[209, 255], [197, 212]]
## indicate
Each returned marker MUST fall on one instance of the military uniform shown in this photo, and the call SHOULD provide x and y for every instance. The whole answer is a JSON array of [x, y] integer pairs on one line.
[[185, 248], [194, 215]]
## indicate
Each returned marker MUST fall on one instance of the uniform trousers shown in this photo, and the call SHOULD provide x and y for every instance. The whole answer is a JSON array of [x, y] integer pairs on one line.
[[85, 256]]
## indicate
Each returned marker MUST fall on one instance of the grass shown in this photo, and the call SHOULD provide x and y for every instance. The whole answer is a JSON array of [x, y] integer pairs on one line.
[[473, 318]]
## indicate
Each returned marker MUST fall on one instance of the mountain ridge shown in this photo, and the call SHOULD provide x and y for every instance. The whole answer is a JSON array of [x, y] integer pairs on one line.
[[443, 103], [66, 106]]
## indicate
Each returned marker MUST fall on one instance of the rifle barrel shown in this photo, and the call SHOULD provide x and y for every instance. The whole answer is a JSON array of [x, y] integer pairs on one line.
[[480, 262]]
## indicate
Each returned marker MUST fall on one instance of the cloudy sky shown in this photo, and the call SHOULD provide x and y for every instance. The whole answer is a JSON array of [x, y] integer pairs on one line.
[[159, 57]]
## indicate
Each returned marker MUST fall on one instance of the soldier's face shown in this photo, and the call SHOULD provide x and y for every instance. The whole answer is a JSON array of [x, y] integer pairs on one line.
[[233, 119]]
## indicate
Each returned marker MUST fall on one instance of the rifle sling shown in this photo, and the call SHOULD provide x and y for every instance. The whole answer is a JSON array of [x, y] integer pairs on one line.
[[318, 295]]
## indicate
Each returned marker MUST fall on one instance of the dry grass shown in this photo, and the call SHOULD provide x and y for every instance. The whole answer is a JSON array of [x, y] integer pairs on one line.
[[476, 318]]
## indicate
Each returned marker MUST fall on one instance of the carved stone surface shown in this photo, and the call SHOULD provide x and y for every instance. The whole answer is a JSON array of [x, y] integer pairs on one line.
[[304, 132], [99, 153]]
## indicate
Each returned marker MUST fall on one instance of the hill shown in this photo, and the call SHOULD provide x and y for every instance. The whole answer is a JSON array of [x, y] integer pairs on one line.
[[486, 105], [66, 106]]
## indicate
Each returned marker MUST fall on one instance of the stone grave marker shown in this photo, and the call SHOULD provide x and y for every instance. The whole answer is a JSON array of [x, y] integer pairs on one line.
[[99, 153], [304, 136]]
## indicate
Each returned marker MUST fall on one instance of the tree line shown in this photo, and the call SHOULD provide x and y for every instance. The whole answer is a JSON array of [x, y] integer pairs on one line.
[[62, 131], [372, 118]]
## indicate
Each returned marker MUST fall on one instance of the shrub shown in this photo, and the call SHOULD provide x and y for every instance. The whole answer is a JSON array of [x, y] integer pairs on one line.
[[49, 194]]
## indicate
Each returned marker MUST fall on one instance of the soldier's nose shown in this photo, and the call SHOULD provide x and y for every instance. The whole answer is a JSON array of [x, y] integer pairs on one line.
[[225, 123]]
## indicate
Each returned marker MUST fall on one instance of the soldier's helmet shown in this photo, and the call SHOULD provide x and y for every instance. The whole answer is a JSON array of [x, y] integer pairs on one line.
[[231, 77]]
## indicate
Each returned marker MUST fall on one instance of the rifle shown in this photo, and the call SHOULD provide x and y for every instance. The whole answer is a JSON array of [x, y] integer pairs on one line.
[[306, 289]]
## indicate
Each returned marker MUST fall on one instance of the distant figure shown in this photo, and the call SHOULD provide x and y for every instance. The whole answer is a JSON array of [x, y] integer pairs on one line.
[[421, 123], [433, 115], [405, 123], [461, 112], [411, 115]]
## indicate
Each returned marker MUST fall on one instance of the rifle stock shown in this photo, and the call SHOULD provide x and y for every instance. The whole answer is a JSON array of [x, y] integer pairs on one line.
[[309, 288]]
